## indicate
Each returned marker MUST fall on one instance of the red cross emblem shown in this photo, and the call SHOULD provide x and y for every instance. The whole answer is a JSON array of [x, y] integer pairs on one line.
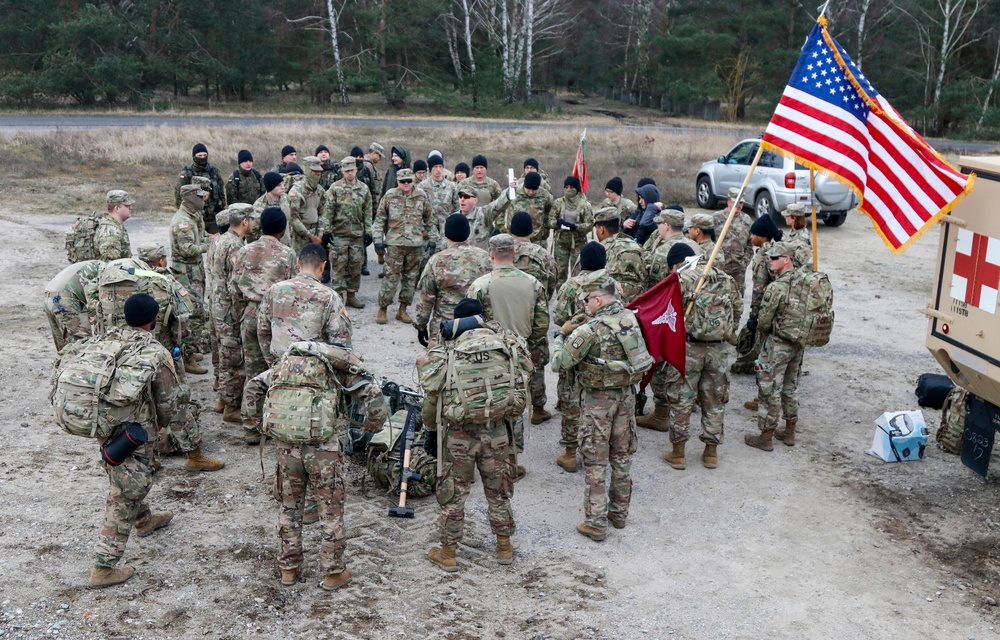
[[976, 277]]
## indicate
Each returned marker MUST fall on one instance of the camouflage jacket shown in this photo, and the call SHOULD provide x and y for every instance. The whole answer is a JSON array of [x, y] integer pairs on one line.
[[446, 280], [111, 239], [244, 186], [593, 349], [539, 207], [331, 173], [656, 262], [534, 260], [220, 262], [515, 300], [264, 202], [187, 239], [736, 245], [488, 190], [715, 316], [443, 197], [256, 267], [404, 220], [348, 210], [306, 204], [625, 207], [568, 301], [577, 211], [625, 264], [69, 288], [217, 196], [300, 309]]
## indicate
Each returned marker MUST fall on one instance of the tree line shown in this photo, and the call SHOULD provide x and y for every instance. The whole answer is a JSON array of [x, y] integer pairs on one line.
[[937, 61]]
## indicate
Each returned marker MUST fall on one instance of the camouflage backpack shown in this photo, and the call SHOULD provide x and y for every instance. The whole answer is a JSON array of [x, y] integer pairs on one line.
[[383, 464], [102, 382], [80, 238], [952, 430], [711, 317], [808, 318]]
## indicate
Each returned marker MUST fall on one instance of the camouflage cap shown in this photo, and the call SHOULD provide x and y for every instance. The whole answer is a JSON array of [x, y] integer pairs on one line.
[[350, 162], [222, 218], [734, 192], [377, 148], [150, 252], [671, 216], [780, 249], [502, 242], [404, 175], [606, 214], [202, 181], [117, 196], [195, 189], [702, 221], [795, 210], [466, 190], [311, 163]]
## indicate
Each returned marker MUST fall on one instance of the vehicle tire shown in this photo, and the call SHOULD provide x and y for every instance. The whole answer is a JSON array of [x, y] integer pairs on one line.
[[703, 192], [835, 219], [764, 206]]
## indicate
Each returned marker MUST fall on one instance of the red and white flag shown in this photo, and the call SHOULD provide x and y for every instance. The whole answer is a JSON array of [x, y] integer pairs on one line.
[[660, 311], [976, 278]]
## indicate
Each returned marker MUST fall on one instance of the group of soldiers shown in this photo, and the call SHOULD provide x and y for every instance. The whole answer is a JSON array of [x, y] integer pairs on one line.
[[261, 269]]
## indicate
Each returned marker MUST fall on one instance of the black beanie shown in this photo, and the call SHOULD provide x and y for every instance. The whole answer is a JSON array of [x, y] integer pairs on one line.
[[321, 147], [357, 152], [419, 165], [285, 150], [198, 148], [615, 184], [532, 181], [678, 253], [244, 156], [293, 167], [140, 309], [434, 160], [271, 180], [593, 256], [480, 161], [521, 225], [456, 227], [644, 181], [464, 168], [572, 181], [531, 162], [272, 221], [765, 227], [468, 307]]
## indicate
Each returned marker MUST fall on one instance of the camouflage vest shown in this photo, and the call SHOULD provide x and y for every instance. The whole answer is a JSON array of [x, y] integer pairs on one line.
[[623, 358], [120, 279], [80, 239], [807, 317]]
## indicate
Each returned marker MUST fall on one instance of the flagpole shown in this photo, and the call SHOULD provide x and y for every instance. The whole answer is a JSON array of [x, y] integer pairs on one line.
[[725, 228], [812, 196]]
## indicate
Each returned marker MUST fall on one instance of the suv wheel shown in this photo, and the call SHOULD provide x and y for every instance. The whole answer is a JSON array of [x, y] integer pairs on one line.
[[706, 199], [836, 219], [764, 207]]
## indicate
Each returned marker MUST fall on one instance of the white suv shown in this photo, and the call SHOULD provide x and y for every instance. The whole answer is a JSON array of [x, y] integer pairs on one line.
[[776, 183]]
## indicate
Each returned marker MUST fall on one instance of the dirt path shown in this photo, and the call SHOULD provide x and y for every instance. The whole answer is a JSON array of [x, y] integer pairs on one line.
[[816, 541]]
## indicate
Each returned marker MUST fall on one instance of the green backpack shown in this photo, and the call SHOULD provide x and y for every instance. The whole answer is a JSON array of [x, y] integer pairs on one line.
[[80, 238], [810, 298]]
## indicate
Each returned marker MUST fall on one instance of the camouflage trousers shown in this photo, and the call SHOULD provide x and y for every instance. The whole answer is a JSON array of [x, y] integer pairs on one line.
[[192, 277], [568, 394], [707, 385], [567, 253], [130, 482], [536, 383], [183, 434], [230, 343], [67, 326], [485, 447], [607, 437], [401, 264], [664, 375], [347, 256], [778, 369], [322, 470]]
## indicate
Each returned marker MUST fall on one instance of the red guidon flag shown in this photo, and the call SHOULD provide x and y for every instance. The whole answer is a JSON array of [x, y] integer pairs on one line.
[[580, 165], [660, 312]]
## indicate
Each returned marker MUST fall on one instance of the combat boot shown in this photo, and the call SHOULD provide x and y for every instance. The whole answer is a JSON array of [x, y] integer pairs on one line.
[[197, 461], [787, 435], [289, 577], [519, 470], [568, 460], [402, 316], [102, 577], [762, 441], [444, 557], [219, 407], [353, 302], [752, 404], [539, 414], [155, 521], [710, 458], [505, 550], [595, 534], [334, 581], [381, 317], [675, 457], [191, 366], [659, 420], [231, 414]]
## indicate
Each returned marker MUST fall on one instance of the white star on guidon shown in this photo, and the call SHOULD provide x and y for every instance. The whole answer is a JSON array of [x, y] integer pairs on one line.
[[669, 317]]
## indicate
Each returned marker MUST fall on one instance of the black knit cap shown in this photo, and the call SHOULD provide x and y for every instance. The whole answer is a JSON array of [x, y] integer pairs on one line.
[[244, 156], [140, 309], [321, 147], [531, 162], [480, 161], [572, 181], [765, 227], [468, 307], [521, 225], [272, 221], [616, 185], [644, 181], [293, 167], [357, 152], [456, 227], [419, 165], [593, 256], [285, 150], [678, 253], [532, 181], [464, 168], [198, 148], [271, 180]]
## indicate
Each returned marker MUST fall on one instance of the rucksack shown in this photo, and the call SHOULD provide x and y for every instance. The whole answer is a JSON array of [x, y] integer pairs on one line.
[[808, 316], [101, 383], [950, 434], [383, 465], [80, 238]]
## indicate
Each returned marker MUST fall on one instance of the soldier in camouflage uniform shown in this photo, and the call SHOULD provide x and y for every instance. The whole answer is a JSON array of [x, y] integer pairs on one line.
[[487, 189], [246, 184], [534, 260], [517, 302], [274, 196], [443, 194], [110, 237], [624, 255], [331, 170], [464, 448], [255, 268], [347, 215], [306, 199], [736, 246], [187, 244], [131, 480], [605, 371], [66, 302], [319, 467], [710, 325], [780, 359], [404, 225], [568, 304], [216, 200], [571, 219], [446, 278], [613, 198]]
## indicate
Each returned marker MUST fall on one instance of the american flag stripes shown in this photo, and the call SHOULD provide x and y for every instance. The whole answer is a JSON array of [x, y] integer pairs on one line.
[[831, 118]]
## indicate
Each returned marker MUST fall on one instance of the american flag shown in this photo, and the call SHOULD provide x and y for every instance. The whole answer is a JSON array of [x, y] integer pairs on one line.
[[832, 119]]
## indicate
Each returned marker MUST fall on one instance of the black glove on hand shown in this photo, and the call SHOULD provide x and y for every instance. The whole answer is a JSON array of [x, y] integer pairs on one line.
[[431, 443], [379, 248], [422, 337], [368, 239], [327, 238]]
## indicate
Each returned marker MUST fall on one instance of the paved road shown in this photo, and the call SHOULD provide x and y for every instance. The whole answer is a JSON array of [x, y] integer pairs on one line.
[[40, 124]]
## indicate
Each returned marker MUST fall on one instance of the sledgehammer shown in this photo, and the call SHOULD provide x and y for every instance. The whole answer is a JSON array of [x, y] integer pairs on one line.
[[403, 511]]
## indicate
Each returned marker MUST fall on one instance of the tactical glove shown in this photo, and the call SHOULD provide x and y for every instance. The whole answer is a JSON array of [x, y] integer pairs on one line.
[[379, 250], [422, 337], [368, 239], [327, 238], [431, 443], [752, 323]]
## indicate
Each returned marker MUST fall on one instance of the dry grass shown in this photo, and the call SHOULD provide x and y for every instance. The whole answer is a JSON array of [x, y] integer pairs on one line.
[[68, 171]]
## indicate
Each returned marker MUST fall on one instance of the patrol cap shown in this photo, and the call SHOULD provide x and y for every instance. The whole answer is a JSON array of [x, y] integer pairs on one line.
[[150, 252], [606, 214], [466, 190], [377, 148], [795, 210], [193, 189], [312, 163], [502, 242], [222, 218], [117, 196], [780, 249], [734, 192], [349, 163], [404, 175], [672, 217], [702, 221]]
